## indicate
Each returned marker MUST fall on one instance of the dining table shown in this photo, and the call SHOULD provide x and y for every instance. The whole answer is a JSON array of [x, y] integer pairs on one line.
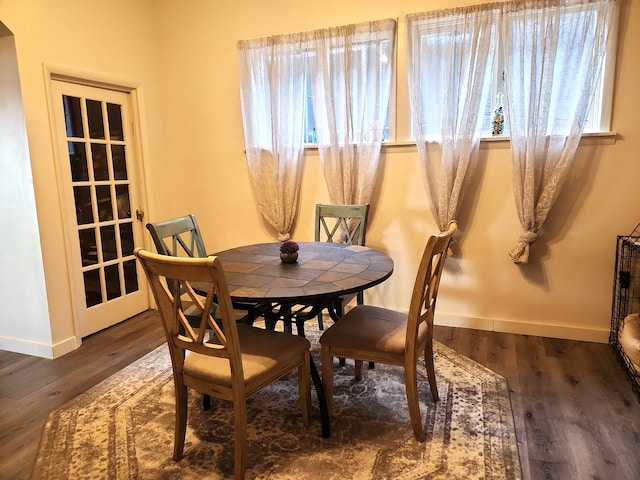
[[322, 274]]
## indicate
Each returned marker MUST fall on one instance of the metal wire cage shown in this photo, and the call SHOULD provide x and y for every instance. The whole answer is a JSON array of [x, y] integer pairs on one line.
[[626, 297]]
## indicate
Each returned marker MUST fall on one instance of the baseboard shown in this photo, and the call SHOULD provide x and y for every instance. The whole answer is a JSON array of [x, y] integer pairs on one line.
[[583, 334], [37, 349]]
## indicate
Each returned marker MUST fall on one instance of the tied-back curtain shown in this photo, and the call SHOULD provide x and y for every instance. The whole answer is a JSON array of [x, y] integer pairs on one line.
[[450, 55], [350, 75], [554, 52], [272, 91]]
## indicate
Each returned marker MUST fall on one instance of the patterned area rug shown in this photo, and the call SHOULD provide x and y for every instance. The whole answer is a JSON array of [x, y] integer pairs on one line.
[[123, 428]]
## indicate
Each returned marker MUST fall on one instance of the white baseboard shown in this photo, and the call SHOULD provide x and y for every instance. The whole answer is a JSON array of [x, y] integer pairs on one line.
[[583, 334], [38, 349]]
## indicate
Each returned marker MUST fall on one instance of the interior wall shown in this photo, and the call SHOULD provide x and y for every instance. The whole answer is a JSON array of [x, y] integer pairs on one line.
[[96, 40], [22, 282], [183, 57], [564, 291]]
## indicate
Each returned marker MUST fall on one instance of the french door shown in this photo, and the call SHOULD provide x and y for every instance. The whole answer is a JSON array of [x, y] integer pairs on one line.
[[101, 207]]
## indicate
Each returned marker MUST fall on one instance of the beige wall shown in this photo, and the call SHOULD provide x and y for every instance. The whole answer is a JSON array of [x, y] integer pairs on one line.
[[183, 56], [105, 40]]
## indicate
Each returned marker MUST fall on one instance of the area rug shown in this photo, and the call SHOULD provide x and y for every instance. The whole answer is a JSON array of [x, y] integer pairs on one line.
[[123, 428]]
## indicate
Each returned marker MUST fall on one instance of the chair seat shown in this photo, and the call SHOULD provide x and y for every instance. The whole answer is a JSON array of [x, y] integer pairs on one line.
[[371, 333], [261, 351]]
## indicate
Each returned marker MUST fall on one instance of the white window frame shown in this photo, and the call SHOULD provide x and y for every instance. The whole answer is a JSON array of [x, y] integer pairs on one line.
[[400, 115]]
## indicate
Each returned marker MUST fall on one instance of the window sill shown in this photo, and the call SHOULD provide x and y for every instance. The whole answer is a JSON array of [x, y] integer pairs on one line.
[[592, 138]]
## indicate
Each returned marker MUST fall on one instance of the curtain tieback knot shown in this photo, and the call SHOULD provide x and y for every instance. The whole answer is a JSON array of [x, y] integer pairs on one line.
[[528, 237], [520, 252]]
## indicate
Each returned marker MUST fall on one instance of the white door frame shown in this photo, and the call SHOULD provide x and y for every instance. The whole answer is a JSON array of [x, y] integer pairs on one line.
[[67, 74]]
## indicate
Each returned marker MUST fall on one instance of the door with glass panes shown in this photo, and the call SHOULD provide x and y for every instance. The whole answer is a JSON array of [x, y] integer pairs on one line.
[[101, 208]]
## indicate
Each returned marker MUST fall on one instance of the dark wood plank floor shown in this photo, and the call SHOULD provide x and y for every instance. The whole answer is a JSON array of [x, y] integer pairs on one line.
[[576, 416]]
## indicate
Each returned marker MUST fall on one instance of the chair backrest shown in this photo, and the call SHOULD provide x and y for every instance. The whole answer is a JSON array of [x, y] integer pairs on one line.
[[341, 223], [218, 338], [425, 290], [178, 237]]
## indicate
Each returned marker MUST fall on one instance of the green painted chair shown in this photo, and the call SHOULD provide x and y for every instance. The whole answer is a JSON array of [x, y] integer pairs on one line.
[[181, 237], [341, 224]]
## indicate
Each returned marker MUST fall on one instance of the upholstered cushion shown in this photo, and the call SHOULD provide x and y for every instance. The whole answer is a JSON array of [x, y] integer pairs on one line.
[[630, 339], [372, 329], [261, 350]]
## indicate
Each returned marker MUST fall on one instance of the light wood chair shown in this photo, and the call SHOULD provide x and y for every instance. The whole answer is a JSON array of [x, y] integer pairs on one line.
[[234, 363], [341, 224], [368, 333]]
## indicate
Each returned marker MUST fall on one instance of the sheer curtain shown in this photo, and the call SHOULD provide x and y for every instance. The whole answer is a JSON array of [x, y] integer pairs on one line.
[[450, 55], [272, 91], [350, 76], [554, 52]]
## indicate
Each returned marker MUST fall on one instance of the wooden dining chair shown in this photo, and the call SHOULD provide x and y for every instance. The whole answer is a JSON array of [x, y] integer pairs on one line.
[[181, 237], [235, 362], [381, 335], [341, 224]]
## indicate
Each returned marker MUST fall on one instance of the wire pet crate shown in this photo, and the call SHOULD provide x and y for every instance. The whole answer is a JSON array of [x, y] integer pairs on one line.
[[626, 298]]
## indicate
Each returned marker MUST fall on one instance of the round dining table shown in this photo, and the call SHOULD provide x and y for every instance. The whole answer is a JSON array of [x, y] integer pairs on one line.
[[323, 271], [322, 274]]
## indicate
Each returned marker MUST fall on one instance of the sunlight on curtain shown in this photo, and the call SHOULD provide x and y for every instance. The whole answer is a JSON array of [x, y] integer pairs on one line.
[[350, 78], [450, 56], [554, 54], [272, 89]]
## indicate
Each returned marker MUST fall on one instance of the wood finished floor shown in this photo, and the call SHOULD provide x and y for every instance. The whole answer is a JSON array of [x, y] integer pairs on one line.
[[576, 416]]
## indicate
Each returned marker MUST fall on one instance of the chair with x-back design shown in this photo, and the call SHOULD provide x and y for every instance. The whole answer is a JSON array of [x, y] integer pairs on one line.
[[219, 357], [181, 237], [382, 335], [178, 237], [341, 224]]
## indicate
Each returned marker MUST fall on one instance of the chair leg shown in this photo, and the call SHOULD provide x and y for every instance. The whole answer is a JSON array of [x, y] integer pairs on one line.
[[240, 449], [304, 386], [206, 402], [327, 376], [320, 323], [431, 373], [360, 301], [411, 385], [181, 421]]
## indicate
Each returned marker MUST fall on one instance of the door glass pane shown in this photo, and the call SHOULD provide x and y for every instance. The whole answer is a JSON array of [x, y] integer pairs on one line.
[[88, 247], [122, 199], [119, 162], [92, 291], [99, 158], [115, 122], [105, 209], [73, 116], [78, 162], [112, 281], [94, 118], [108, 237], [126, 239], [84, 212], [130, 276]]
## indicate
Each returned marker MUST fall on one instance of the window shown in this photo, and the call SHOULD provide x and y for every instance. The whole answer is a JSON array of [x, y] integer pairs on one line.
[[436, 29], [348, 84], [397, 126]]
